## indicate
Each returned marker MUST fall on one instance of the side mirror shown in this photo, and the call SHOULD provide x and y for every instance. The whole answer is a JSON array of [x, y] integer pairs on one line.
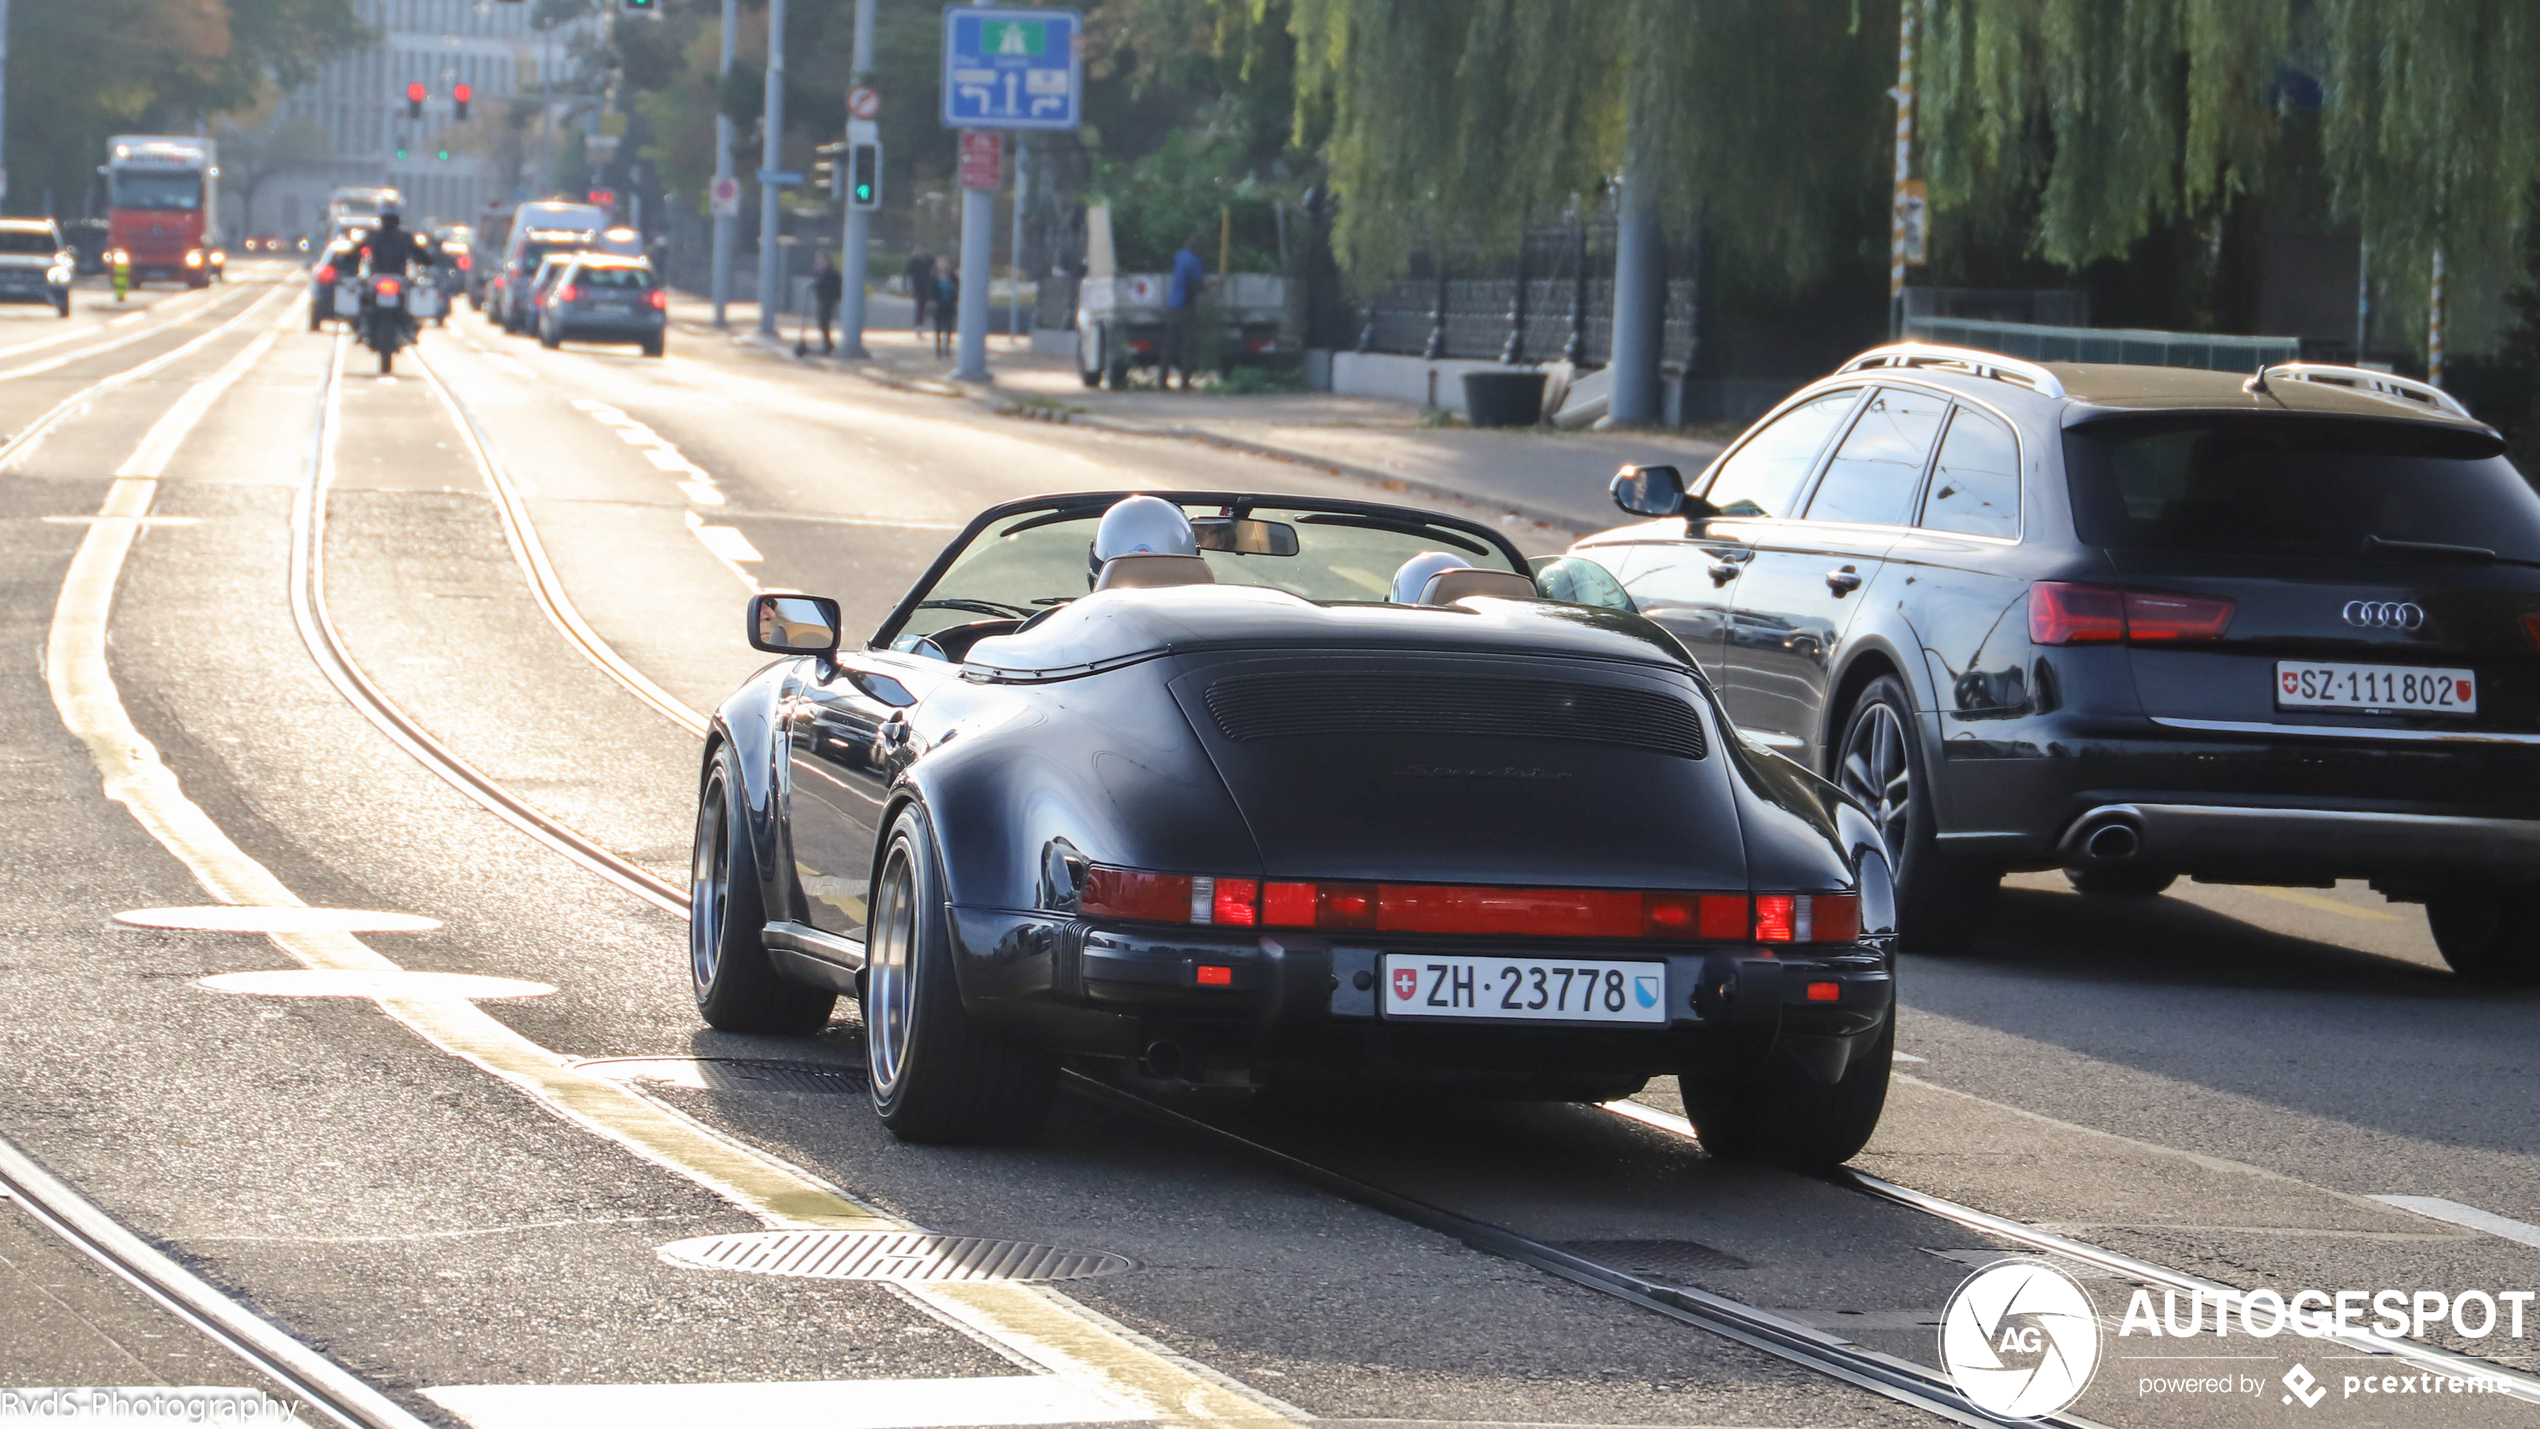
[[782, 623], [1649, 490], [1246, 537]]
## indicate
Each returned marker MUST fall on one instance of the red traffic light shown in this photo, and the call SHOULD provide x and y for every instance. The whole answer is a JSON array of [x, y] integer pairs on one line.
[[414, 92], [462, 94]]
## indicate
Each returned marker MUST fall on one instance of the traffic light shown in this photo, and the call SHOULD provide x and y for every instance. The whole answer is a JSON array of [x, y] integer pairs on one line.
[[414, 100], [825, 169], [638, 7], [864, 174], [460, 96], [445, 156]]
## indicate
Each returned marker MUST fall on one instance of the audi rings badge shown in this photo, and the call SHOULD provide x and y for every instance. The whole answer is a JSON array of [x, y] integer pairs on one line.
[[2385, 614]]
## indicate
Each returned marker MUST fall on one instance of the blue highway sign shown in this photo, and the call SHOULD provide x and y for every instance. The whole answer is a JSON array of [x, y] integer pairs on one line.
[[1012, 69]]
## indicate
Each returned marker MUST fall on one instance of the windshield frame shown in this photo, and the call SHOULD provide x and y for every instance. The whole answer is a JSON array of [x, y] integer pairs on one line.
[[1078, 505]]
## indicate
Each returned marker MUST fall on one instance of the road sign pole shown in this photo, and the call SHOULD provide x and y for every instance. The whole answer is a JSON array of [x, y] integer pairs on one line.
[[1014, 256], [726, 225], [771, 158], [851, 271], [978, 228]]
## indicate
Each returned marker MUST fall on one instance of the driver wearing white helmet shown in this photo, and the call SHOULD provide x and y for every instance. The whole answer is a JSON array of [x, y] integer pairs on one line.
[[1144, 542]]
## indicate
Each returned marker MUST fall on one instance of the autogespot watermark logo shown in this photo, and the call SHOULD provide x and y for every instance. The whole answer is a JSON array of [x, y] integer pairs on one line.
[[2020, 1339]]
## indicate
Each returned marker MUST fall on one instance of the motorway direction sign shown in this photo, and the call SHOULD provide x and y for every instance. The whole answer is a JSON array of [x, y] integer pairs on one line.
[[1013, 69]]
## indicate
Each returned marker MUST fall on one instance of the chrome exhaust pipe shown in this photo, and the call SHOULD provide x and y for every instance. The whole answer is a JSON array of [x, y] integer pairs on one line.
[[1162, 1060], [2112, 842]]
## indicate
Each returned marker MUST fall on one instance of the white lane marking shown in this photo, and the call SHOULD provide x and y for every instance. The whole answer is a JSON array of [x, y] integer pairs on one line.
[[32, 435], [357, 982], [637, 434], [33, 368], [792, 1404], [669, 459], [2454, 1213], [144, 520], [719, 551], [1909, 1057], [701, 493], [159, 445], [516, 369], [288, 918], [727, 542]]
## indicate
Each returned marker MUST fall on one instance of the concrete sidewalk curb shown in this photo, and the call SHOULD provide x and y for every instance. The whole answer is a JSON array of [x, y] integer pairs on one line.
[[996, 403]]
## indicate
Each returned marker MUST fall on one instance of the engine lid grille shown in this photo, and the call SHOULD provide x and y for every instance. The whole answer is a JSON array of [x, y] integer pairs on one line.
[[1294, 706]]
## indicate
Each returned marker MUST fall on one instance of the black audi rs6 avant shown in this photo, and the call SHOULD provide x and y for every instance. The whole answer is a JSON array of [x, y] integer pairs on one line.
[[1345, 796], [2132, 622]]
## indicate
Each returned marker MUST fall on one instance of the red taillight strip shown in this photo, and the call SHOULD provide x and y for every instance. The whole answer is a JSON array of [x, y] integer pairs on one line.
[[1473, 911], [2063, 613]]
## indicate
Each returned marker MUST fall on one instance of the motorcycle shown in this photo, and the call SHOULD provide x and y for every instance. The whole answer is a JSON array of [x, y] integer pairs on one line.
[[387, 322]]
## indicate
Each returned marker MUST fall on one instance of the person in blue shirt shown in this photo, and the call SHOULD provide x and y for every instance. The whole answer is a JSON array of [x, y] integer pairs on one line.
[[1181, 298]]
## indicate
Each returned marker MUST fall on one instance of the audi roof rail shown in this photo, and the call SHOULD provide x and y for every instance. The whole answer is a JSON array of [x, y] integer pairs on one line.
[[2388, 386], [1959, 359]]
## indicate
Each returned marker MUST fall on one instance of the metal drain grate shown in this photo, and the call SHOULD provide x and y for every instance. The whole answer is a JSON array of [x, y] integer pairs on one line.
[[890, 1255], [1673, 1262]]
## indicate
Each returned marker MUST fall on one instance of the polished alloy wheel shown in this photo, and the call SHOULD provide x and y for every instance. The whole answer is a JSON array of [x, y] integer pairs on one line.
[[709, 876], [1877, 770], [889, 981]]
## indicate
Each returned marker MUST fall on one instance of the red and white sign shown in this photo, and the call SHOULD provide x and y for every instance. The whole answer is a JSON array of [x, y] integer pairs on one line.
[[864, 102], [726, 194], [982, 160], [1406, 983]]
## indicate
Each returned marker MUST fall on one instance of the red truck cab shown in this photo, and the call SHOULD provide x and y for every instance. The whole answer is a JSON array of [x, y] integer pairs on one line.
[[162, 202]]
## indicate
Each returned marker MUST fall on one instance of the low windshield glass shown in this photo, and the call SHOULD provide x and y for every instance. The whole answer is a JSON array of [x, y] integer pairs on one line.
[[1026, 564], [136, 188], [24, 240], [2292, 486]]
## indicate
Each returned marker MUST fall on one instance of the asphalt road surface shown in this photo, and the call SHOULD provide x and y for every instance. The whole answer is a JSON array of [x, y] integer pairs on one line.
[[274, 636]]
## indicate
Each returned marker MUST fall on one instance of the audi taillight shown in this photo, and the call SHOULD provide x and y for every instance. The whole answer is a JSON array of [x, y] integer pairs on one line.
[[659, 298], [465, 263], [1468, 910], [325, 274], [567, 293], [2063, 613]]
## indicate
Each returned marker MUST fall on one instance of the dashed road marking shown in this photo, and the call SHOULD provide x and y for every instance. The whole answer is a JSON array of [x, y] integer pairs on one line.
[[352, 982], [2454, 1213], [287, 918]]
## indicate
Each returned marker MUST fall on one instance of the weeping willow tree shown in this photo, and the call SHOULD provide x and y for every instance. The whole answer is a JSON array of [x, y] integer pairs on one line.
[[1464, 119]]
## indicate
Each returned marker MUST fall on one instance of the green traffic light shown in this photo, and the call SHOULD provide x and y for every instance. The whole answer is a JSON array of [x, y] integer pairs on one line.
[[401, 153], [864, 193], [445, 156]]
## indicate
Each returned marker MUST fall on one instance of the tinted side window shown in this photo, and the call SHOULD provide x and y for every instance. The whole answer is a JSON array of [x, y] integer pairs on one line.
[[1875, 472], [1764, 476], [1975, 489]]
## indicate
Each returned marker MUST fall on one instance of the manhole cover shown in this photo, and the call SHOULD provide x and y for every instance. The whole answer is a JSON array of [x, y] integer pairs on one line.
[[714, 1074], [1671, 1261], [890, 1255]]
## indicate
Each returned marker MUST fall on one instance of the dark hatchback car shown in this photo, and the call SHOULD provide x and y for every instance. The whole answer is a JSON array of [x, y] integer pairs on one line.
[[603, 299], [2131, 622]]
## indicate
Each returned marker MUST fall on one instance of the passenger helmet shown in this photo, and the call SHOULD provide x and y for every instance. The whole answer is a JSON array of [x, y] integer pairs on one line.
[[1413, 576], [1138, 525]]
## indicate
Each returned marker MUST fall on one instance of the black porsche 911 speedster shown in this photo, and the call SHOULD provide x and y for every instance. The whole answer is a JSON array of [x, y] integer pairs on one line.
[[1226, 791]]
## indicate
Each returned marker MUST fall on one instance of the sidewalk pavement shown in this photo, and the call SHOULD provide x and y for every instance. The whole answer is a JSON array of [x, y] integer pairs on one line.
[[1558, 478]]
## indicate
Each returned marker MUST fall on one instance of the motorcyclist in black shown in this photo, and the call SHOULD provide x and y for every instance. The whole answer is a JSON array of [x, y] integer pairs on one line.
[[392, 250]]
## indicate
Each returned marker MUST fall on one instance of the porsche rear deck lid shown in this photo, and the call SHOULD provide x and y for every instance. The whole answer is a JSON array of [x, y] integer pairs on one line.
[[1113, 628]]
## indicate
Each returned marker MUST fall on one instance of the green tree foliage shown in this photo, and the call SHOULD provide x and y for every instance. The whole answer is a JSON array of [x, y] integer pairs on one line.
[[85, 69], [1190, 111]]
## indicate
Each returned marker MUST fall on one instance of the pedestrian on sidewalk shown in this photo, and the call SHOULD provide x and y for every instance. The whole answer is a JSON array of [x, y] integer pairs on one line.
[[1181, 298], [947, 305], [826, 287], [921, 287]]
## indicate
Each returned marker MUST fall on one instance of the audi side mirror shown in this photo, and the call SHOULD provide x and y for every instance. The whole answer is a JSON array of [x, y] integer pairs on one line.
[[1657, 491], [784, 623]]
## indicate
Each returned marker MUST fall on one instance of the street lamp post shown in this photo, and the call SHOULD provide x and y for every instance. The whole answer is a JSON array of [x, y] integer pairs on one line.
[[851, 271], [726, 225], [771, 154]]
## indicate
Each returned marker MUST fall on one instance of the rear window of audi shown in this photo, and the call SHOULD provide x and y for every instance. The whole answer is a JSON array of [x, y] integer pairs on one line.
[[2297, 486]]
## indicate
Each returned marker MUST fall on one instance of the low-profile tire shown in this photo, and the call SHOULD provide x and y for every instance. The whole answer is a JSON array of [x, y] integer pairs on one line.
[[937, 1077], [1785, 1117], [548, 339], [2120, 881], [737, 986], [64, 306], [2488, 936], [653, 347], [1940, 902]]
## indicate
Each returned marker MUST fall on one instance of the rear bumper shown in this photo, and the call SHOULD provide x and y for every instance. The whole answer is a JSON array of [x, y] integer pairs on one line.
[[2282, 801], [585, 330], [2362, 842], [1301, 1006]]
